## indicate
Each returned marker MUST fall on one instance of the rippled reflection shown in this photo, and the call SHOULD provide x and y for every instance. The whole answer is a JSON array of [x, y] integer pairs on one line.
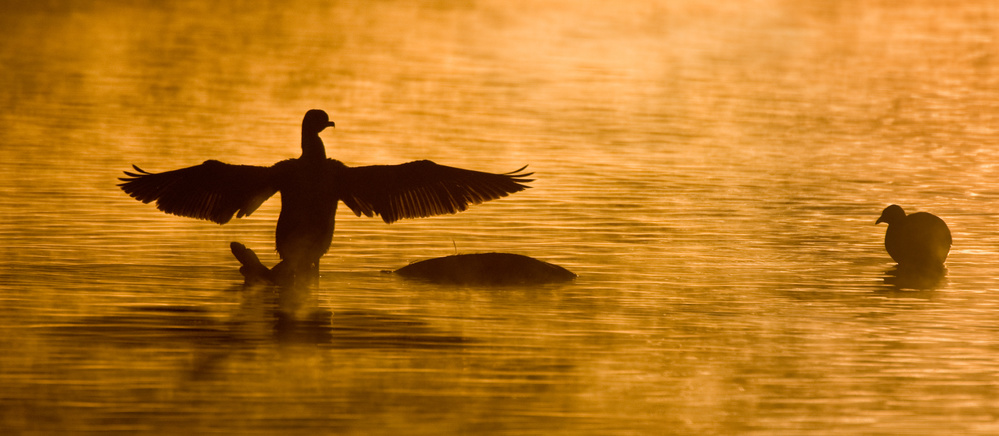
[[710, 171]]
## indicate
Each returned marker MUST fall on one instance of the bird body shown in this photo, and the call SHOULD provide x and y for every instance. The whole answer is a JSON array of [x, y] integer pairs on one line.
[[920, 239], [311, 187], [308, 209]]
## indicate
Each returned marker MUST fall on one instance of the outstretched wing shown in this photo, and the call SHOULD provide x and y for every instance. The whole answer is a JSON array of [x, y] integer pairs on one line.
[[420, 189], [211, 191]]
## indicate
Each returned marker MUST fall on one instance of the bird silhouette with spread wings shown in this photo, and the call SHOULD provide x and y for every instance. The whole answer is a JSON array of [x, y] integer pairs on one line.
[[311, 186]]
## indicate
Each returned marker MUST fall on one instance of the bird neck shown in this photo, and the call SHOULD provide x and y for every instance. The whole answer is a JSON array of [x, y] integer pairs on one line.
[[312, 147]]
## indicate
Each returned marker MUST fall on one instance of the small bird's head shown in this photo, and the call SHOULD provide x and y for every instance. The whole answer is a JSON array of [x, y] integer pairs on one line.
[[315, 121], [891, 214]]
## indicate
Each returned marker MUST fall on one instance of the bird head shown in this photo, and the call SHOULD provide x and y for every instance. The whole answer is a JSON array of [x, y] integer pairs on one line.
[[315, 121], [891, 214]]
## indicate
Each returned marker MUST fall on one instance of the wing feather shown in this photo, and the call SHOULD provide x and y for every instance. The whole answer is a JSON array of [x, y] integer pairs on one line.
[[213, 191], [420, 189]]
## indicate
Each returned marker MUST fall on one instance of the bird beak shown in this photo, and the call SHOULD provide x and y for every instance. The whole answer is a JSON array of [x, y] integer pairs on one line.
[[331, 124], [878, 221]]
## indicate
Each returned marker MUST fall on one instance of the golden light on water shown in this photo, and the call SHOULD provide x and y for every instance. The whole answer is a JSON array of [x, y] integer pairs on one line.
[[712, 172]]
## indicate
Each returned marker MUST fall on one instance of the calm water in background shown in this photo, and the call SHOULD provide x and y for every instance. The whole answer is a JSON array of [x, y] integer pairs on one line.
[[711, 171]]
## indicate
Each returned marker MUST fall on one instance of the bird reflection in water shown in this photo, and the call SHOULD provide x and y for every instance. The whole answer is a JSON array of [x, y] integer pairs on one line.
[[293, 306], [924, 279], [919, 243], [311, 186]]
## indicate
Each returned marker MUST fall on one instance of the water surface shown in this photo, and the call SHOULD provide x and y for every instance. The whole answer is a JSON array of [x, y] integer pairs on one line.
[[712, 172]]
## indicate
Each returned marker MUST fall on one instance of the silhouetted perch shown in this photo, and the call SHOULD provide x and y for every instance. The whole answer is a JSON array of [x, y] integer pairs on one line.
[[486, 269], [255, 272]]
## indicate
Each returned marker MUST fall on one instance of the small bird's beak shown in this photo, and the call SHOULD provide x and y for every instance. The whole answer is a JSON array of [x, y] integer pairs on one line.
[[878, 221], [331, 124]]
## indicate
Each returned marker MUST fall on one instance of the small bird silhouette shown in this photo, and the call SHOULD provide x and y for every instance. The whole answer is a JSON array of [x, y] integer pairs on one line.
[[311, 187], [919, 240]]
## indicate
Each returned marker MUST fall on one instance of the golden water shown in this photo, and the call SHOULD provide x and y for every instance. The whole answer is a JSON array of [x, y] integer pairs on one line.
[[711, 170]]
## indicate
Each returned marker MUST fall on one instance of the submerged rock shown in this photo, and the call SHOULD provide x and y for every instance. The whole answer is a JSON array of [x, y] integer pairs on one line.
[[486, 269]]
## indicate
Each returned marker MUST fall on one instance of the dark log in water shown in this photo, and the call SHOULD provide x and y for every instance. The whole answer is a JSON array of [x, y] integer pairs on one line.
[[486, 269]]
